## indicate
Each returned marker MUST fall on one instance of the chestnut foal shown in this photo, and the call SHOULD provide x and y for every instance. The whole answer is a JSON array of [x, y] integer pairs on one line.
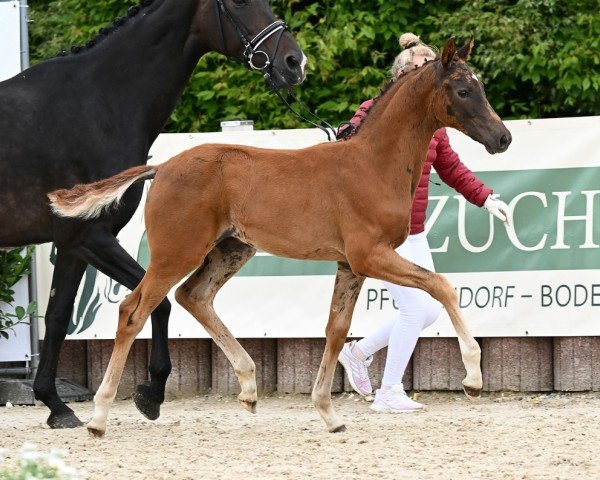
[[211, 207]]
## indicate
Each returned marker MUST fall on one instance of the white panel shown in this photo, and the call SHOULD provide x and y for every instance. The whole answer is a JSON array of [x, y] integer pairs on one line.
[[536, 144], [10, 40]]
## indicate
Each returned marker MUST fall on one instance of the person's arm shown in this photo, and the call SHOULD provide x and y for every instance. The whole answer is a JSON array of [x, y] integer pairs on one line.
[[455, 174], [348, 128]]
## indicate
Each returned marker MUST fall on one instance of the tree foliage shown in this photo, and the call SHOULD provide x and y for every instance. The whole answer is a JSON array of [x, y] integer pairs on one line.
[[538, 58], [14, 265]]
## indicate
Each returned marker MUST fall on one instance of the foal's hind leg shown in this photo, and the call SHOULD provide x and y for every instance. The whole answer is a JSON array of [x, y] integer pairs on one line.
[[197, 294], [102, 250], [385, 264], [346, 290], [133, 313]]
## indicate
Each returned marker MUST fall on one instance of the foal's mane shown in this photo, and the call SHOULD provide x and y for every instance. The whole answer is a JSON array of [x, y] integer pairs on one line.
[[106, 31], [384, 93]]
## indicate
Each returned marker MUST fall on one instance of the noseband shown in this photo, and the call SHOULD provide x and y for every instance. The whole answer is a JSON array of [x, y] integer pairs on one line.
[[251, 46]]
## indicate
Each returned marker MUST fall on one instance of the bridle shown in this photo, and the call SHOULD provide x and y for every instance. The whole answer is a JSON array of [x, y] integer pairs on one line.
[[251, 49], [251, 46]]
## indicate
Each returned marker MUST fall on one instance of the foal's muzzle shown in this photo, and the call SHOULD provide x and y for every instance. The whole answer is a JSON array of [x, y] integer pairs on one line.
[[499, 143]]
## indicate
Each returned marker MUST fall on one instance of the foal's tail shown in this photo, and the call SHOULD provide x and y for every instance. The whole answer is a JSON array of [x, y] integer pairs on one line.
[[88, 201]]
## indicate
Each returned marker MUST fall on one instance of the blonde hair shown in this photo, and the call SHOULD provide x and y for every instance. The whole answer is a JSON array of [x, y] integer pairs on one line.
[[411, 45]]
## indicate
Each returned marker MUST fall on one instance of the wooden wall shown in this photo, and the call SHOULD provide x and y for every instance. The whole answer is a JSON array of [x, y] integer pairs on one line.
[[291, 365]]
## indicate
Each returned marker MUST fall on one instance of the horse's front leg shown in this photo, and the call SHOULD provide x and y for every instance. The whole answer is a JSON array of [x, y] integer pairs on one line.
[[65, 281], [383, 263], [346, 290]]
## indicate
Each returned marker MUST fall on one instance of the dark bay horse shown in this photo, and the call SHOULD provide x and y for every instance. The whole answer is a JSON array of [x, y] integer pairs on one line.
[[97, 110], [211, 207]]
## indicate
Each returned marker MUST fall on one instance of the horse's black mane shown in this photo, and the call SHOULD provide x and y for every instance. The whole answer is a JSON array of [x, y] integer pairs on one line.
[[105, 31], [384, 91]]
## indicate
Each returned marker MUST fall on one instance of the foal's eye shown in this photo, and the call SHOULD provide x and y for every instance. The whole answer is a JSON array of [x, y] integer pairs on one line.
[[463, 93], [240, 2]]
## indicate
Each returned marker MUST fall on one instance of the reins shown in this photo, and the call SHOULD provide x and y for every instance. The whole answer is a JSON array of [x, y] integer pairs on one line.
[[324, 126], [251, 49]]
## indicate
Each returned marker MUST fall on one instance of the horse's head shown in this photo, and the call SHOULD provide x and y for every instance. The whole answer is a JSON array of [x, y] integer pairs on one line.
[[462, 103], [248, 31]]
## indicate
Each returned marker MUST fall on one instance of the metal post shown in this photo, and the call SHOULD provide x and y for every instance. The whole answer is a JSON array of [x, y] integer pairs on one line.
[[34, 324], [24, 34]]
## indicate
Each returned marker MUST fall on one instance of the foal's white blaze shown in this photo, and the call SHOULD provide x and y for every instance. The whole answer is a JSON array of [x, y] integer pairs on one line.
[[475, 77]]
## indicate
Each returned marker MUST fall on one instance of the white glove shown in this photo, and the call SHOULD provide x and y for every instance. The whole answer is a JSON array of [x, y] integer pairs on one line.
[[498, 209]]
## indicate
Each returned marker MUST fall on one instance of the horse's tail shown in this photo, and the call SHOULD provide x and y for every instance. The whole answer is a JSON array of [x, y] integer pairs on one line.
[[88, 201]]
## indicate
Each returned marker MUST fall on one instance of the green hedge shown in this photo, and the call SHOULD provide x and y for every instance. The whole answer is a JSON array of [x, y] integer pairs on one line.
[[14, 265], [537, 58]]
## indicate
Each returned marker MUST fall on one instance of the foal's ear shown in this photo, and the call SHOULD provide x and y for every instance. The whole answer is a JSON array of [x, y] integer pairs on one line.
[[464, 52], [448, 53]]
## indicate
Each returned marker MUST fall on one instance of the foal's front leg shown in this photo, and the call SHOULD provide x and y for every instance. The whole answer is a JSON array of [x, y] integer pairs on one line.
[[346, 290], [384, 263]]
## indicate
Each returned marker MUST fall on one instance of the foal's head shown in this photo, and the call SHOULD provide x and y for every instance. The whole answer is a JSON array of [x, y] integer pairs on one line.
[[248, 31], [461, 102]]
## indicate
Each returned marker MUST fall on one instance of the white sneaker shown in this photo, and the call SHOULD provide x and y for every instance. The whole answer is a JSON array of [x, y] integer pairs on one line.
[[357, 372], [395, 400]]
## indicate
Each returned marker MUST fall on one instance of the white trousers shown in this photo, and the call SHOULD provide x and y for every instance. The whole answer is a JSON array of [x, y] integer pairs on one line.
[[417, 310]]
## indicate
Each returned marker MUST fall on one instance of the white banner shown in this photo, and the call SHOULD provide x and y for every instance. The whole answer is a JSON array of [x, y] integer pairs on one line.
[[10, 39], [539, 279]]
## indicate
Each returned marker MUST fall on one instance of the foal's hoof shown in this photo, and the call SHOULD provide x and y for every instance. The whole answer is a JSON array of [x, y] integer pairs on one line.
[[95, 432], [338, 429], [148, 406], [250, 406], [63, 420], [472, 393]]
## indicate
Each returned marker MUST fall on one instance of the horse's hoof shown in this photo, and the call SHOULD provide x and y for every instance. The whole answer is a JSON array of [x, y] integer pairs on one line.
[[64, 420], [472, 393], [338, 429], [148, 407], [250, 406], [95, 432]]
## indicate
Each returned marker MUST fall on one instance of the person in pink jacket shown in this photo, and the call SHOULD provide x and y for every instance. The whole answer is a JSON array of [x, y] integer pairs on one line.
[[417, 309]]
